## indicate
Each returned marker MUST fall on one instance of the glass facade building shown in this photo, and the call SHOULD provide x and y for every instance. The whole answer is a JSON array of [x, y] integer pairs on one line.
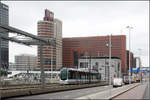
[[4, 45]]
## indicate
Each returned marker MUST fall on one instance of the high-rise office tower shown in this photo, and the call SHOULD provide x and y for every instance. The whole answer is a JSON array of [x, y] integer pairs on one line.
[[58, 28], [50, 29], [4, 20]]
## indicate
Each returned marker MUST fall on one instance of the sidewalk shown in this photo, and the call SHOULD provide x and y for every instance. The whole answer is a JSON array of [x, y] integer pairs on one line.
[[135, 93], [147, 93], [108, 94]]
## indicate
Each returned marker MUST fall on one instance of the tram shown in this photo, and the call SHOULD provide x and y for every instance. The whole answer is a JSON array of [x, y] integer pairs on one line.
[[78, 76]]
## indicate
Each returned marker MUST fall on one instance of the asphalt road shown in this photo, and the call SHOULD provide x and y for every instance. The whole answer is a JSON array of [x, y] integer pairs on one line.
[[66, 94], [147, 92]]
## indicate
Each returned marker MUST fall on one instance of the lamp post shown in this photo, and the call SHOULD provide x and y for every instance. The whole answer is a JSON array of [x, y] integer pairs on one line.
[[110, 63], [140, 65], [110, 60], [128, 27], [51, 61], [41, 67], [86, 62], [90, 65], [109, 45], [0, 61]]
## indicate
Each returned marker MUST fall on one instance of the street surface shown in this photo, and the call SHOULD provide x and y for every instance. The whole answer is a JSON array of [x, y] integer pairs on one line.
[[147, 92], [66, 94], [135, 93]]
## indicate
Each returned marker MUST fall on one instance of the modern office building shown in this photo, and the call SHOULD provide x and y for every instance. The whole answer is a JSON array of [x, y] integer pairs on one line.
[[51, 29], [4, 51], [58, 27], [12, 66], [24, 62], [101, 65], [76, 47]]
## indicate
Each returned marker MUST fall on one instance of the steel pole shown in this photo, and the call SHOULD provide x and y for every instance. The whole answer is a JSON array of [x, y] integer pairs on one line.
[[105, 69], [110, 60], [129, 53], [140, 65], [0, 60], [90, 67], [51, 61], [42, 68], [0, 66], [129, 57], [110, 63]]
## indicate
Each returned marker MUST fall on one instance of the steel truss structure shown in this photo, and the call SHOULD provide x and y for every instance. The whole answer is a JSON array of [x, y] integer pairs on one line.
[[32, 40]]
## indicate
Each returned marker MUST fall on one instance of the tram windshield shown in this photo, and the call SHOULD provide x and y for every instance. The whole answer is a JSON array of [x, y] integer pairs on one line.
[[63, 74]]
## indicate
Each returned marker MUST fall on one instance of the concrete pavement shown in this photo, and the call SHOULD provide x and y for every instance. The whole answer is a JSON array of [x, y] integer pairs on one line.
[[110, 93], [135, 93], [102, 92], [147, 92]]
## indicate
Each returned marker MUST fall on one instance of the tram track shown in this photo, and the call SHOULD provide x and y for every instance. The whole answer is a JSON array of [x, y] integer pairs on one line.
[[25, 86], [13, 92]]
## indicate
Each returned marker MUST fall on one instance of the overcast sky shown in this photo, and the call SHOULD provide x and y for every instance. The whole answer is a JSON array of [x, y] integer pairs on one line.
[[85, 18]]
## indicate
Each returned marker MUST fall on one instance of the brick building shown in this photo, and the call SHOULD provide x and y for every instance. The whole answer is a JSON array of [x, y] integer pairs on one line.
[[76, 47]]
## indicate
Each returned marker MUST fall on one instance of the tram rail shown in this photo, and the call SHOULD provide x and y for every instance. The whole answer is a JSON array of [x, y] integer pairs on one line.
[[24, 91]]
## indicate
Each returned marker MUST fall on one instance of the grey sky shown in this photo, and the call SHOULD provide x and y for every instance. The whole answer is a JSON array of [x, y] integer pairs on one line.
[[86, 18]]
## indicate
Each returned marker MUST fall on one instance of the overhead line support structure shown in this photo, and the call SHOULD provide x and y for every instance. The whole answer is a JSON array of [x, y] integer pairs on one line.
[[35, 41]]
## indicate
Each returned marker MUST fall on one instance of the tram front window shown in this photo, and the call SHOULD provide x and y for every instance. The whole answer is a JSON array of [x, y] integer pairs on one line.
[[63, 74]]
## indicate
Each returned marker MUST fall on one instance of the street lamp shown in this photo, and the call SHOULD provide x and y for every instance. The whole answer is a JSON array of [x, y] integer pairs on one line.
[[109, 45], [110, 62], [140, 65], [51, 61], [128, 27]]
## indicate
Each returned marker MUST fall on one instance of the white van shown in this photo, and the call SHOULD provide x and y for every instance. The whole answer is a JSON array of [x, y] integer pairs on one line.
[[117, 82]]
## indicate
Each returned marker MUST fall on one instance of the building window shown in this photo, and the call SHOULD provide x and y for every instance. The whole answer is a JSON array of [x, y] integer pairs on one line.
[[47, 61], [95, 67], [83, 64], [107, 63], [81, 54], [75, 55]]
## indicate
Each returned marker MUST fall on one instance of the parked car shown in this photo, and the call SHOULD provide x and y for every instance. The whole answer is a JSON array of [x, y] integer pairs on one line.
[[117, 82]]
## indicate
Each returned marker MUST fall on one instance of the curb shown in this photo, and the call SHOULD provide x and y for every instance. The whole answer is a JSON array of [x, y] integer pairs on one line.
[[97, 95], [122, 92]]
